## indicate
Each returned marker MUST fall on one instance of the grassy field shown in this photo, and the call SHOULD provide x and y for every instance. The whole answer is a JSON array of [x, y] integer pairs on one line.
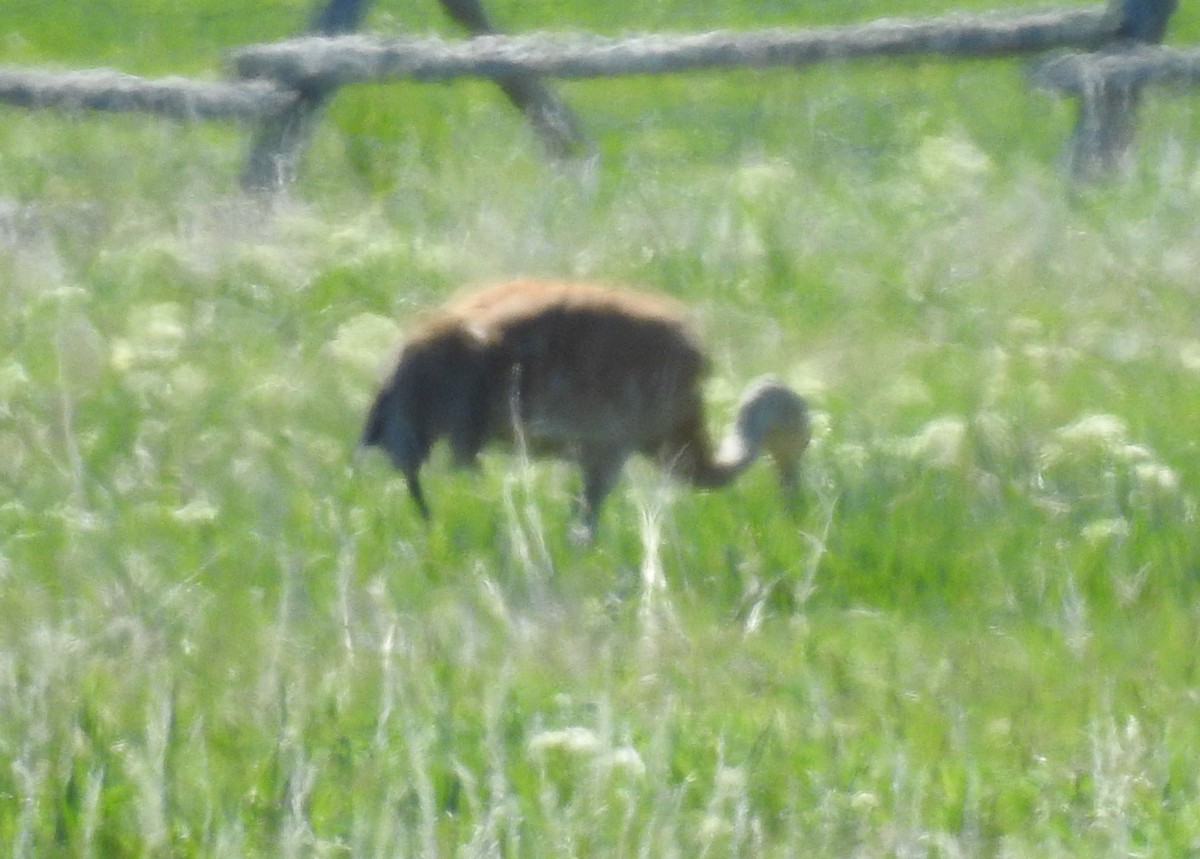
[[220, 635]]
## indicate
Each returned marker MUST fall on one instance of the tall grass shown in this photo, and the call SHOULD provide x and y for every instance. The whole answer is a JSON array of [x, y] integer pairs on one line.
[[220, 634]]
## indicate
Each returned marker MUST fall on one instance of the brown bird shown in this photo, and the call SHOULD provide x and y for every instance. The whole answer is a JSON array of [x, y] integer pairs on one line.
[[577, 370]]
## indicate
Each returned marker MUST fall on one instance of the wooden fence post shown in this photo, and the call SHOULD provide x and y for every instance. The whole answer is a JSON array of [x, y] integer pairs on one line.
[[549, 115], [276, 149], [1104, 128]]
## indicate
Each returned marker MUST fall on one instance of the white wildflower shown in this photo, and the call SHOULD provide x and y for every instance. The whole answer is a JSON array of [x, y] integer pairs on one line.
[[908, 391], [952, 161], [713, 827], [730, 781], [1157, 477], [995, 433], [1132, 453], [1091, 434], [575, 740], [278, 391], [626, 760], [852, 457], [820, 426], [364, 343], [13, 380], [1189, 355], [1045, 357], [1024, 327], [864, 801], [1104, 531], [1098, 429], [154, 334], [187, 383], [195, 512], [764, 181], [939, 443]]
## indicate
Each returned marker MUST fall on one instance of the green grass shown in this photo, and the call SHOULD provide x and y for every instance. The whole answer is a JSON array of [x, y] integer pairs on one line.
[[220, 635]]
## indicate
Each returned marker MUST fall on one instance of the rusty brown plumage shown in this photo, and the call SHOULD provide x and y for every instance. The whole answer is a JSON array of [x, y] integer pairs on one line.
[[576, 370]]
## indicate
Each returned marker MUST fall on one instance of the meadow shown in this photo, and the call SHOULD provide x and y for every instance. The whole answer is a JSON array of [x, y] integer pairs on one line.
[[221, 634]]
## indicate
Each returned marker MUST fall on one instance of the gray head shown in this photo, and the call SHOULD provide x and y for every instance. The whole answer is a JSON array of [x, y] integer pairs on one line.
[[773, 417]]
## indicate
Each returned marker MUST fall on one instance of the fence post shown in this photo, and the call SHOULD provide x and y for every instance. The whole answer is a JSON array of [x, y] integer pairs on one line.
[[548, 114], [276, 149], [1104, 128]]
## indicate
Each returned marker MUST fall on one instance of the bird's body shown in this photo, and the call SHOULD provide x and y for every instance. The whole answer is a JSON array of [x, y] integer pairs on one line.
[[585, 365], [577, 370]]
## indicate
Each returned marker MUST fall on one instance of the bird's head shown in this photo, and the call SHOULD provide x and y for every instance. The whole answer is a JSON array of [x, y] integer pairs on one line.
[[775, 418]]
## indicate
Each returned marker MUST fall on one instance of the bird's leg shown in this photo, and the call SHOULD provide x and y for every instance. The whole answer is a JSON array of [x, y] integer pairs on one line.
[[789, 483], [414, 489], [465, 458], [469, 428], [601, 466]]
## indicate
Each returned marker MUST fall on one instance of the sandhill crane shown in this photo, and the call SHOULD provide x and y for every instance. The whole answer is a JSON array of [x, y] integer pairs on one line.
[[577, 370]]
